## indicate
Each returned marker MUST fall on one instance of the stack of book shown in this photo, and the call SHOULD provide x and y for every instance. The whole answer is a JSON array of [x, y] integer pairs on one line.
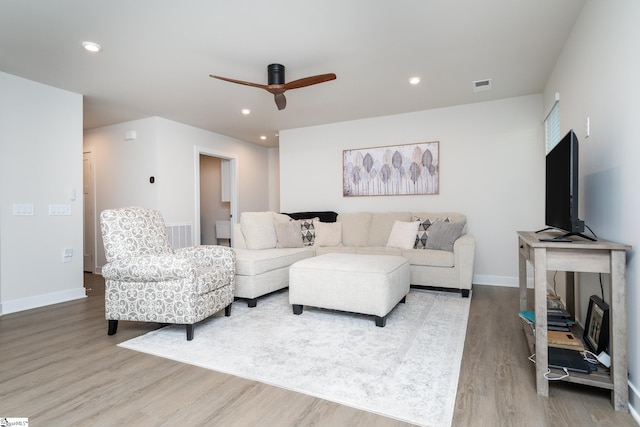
[[558, 319]]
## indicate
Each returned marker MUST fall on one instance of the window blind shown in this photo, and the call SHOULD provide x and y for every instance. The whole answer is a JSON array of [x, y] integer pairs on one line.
[[552, 127]]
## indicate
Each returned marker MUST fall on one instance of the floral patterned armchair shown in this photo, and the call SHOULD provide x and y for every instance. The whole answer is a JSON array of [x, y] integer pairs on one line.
[[146, 280]]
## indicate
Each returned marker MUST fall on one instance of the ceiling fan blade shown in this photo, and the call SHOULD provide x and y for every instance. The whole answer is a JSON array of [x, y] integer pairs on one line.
[[241, 82], [281, 101], [308, 81]]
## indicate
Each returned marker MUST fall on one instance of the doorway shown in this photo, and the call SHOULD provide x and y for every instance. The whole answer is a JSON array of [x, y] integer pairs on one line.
[[88, 197], [216, 195]]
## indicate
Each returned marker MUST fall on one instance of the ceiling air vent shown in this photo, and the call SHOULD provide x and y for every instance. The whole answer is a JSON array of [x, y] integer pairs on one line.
[[482, 85]]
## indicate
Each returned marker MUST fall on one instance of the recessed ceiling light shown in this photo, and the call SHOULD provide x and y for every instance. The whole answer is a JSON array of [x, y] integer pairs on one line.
[[245, 111], [414, 80], [91, 46], [263, 137]]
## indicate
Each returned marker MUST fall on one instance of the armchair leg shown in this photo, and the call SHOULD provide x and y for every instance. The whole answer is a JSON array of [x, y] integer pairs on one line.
[[189, 332], [113, 327], [227, 310]]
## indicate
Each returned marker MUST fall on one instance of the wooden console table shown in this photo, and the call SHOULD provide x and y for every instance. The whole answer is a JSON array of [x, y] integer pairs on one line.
[[579, 255]]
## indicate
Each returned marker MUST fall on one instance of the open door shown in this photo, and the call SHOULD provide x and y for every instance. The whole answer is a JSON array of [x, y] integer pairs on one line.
[[89, 212]]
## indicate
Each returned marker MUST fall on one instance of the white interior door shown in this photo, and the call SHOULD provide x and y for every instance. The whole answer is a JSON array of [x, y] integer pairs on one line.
[[89, 214]]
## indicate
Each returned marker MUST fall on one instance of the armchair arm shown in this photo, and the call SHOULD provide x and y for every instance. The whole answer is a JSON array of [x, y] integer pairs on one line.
[[150, 268], [210, 256]]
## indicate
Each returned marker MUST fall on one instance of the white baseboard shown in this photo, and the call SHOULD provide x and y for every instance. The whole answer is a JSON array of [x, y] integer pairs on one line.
[[22, 304], [507, 281]]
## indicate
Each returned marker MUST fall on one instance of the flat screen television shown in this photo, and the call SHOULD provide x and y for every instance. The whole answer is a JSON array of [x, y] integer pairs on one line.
[[561, 189]]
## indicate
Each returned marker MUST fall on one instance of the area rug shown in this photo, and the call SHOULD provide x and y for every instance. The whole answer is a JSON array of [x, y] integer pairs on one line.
[[407, 370]]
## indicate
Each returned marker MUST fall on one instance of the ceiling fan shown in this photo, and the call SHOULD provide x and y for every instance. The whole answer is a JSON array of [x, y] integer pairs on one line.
[[276, 84]]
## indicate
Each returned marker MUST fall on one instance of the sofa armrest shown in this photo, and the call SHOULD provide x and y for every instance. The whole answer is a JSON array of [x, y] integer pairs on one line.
[[150, 268], [210, 256], [464, 251]]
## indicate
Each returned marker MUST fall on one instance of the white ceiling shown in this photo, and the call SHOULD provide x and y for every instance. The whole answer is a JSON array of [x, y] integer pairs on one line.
[[157, 56]]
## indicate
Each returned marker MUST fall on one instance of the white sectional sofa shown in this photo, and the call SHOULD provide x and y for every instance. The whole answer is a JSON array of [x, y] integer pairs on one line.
[[439, 251]]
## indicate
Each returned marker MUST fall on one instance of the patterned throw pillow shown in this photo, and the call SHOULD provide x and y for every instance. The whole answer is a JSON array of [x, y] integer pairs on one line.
[[308, 231], [421, 238]]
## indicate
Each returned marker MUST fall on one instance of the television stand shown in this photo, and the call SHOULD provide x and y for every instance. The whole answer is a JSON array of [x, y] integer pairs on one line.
[[579, 256]]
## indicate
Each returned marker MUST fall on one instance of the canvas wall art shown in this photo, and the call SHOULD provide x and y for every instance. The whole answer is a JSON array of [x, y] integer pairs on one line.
[[411, 169]]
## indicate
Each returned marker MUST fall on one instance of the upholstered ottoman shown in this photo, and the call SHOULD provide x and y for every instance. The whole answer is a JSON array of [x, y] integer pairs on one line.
[[366, 284]]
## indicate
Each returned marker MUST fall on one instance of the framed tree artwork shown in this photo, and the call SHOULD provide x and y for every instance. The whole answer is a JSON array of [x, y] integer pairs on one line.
[[395, 170], [596, 327]]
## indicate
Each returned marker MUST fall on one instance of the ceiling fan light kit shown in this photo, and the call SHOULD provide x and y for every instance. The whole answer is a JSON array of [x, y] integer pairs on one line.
[[276, 83]]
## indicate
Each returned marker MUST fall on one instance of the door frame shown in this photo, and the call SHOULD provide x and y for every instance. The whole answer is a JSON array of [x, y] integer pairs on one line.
[[233, 187]]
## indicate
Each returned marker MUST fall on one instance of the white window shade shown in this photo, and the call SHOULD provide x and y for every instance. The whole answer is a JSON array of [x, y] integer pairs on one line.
[[552, 126]]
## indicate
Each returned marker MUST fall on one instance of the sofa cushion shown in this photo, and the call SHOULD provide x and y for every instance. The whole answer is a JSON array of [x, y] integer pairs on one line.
[[258, 230], [403, 235], [328, 233], [355, 228], [288, 234], [321, 250], [442, 235], [381, 224], [429, 257], [378, 250], [251, 262]]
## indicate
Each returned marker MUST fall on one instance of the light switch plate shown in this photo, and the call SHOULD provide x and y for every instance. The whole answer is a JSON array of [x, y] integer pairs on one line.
[[22, 209]]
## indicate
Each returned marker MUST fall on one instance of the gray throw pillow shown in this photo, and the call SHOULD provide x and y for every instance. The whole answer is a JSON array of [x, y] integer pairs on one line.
[[442, 235]]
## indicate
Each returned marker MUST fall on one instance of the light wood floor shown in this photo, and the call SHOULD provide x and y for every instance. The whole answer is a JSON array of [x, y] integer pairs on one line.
[[58, 367]]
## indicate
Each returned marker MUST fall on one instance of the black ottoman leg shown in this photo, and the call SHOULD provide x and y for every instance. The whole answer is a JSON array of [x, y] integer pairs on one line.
[[381, 321], [297, 308]]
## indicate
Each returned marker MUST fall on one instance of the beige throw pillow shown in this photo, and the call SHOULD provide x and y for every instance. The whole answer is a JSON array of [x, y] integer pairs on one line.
[[403, 235], [328, 233], [288, 234], [258, 230]]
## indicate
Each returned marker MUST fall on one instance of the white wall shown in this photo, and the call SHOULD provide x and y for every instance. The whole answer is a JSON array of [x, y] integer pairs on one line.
[[274, 179], [166, 150], [597, 77], [40, 164], [491, 169]]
